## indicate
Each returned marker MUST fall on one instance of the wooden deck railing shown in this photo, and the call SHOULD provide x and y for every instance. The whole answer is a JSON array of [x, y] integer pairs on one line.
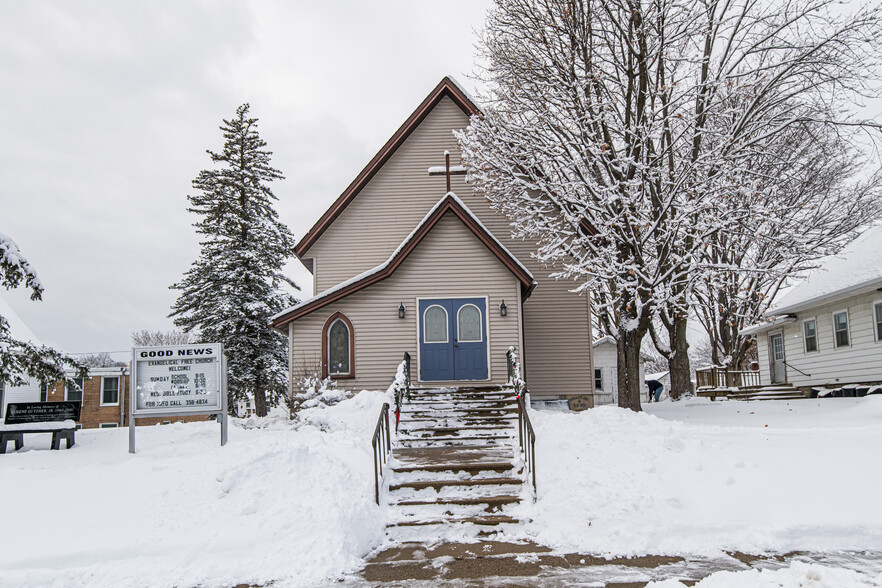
[[717, 377]]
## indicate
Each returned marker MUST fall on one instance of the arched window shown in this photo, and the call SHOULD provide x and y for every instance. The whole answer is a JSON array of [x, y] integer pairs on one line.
[[338, 348], [469, 323], [435, 324]]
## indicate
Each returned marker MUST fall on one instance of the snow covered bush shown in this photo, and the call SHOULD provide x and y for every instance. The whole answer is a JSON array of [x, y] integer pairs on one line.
[[315, 391]]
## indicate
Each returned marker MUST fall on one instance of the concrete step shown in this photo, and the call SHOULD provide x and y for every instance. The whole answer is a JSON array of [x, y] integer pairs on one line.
[[465, 501], [475, 520], [473, 468], [438, 484]]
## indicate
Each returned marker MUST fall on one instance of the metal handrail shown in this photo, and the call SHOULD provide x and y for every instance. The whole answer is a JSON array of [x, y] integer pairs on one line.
[[402, 395], [382, 444], [528, 439], [797, 369], [526, 434]]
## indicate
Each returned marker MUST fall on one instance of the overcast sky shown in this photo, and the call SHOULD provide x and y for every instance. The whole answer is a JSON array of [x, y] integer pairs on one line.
[[107, 109]]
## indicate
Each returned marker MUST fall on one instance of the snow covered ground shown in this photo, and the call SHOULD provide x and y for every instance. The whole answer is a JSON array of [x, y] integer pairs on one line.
[[274, 504], [699, 477], [295, 505]]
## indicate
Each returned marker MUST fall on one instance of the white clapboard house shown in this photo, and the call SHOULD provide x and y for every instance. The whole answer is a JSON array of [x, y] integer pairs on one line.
[[826, 332]]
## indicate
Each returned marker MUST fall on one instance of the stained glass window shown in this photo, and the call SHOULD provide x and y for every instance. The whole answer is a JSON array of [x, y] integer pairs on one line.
[[435, 325], [469, 318], [338, 348]]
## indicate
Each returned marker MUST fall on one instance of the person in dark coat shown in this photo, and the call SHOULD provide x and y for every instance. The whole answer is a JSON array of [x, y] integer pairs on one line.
[[655, 389]]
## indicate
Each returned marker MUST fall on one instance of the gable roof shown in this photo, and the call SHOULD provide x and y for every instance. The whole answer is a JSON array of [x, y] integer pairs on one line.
[[450, 203], [857, 268], [447, 87], [18, 329]]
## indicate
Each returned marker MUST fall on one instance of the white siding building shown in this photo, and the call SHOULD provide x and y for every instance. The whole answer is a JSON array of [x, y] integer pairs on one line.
[[606, 383], [827, 330], [29, 392]]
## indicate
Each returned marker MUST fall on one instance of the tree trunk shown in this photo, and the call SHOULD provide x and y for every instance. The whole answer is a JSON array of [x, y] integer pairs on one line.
[[681, 377], [259, 394], [628, 373]]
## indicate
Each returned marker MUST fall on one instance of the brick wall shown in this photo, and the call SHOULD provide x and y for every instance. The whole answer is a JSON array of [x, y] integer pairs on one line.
[[93, 413]]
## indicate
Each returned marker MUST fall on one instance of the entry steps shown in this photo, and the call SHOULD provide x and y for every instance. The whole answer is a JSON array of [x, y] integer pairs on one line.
[[456, 464]]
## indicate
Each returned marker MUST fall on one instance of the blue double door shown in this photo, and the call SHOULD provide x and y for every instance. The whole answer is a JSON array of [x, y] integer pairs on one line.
[[453, 339]]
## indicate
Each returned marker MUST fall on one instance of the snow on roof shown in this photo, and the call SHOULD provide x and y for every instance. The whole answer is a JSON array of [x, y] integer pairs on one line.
[[856, 267], [385, 264], [655, 376], [17, 327], [769, 323], [465, 92], [604, 340]]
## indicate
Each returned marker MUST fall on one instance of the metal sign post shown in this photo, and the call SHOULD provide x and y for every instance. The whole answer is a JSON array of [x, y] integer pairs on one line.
[[178, 380]]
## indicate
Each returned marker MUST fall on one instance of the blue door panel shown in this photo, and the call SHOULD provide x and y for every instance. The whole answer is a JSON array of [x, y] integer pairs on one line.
[[453, 359]]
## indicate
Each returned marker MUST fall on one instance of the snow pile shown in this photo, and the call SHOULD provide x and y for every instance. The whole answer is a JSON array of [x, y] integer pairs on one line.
[[798, 575], [291, 503], [755, 477]]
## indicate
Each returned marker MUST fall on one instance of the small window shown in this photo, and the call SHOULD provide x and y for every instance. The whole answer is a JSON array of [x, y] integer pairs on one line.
[[166, 422], [74, 392], [110, 390], [469, 327], [108, 425], [840, 328], [79, 426], [435, 324], [878, 316], [598, 379], [810, 332], [44, 392]]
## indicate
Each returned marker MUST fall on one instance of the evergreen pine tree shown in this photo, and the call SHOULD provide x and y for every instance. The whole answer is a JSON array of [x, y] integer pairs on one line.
[[20, 360], [230, 292]]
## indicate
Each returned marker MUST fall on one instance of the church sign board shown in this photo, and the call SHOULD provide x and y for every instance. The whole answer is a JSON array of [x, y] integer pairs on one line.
[[178, 380]]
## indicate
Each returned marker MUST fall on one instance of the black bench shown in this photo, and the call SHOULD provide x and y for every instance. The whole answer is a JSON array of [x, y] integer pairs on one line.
[[40, 417]]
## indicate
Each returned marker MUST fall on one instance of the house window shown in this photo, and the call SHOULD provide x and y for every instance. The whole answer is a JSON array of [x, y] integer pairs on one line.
[[44, 392], [110, 390], [598, 379], [338, 347], [877, 313], [108, 425], [840, 328], [810, 332], [74, 392]]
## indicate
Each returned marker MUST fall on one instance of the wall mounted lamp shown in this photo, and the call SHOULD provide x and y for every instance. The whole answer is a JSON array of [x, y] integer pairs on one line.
[[401, 310], [503, 309]]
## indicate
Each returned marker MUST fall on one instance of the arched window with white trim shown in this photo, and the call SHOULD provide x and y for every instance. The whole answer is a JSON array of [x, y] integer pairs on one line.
[[435, 324], [469, 324]]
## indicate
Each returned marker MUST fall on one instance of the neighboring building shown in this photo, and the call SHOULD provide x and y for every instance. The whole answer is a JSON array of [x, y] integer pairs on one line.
[[827, 330], [606, 383], [30, 391], [410, 259], [104, 396]]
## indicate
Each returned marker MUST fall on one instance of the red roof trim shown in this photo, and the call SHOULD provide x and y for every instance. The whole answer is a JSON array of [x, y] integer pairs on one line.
[[446, 87], [450, 204]]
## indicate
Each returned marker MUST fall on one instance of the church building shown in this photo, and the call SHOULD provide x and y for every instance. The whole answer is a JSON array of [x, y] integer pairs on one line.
[[410, 259]]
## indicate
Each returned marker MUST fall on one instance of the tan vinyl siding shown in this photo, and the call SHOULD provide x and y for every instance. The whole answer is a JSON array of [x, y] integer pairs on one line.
[[556, 323], [859, 362], [381, 338]]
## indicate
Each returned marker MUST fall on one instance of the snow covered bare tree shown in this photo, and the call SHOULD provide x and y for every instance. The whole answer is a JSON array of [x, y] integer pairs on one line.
[[235, 286], [148, 338], [816, 195], [620, 135], [22, 359]]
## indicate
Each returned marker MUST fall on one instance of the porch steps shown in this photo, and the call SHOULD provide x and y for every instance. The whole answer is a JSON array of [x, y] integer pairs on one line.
[[784, 391], [456, 464]]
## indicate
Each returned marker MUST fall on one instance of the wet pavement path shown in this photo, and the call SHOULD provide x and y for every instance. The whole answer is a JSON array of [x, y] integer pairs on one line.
[[523, 564]]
